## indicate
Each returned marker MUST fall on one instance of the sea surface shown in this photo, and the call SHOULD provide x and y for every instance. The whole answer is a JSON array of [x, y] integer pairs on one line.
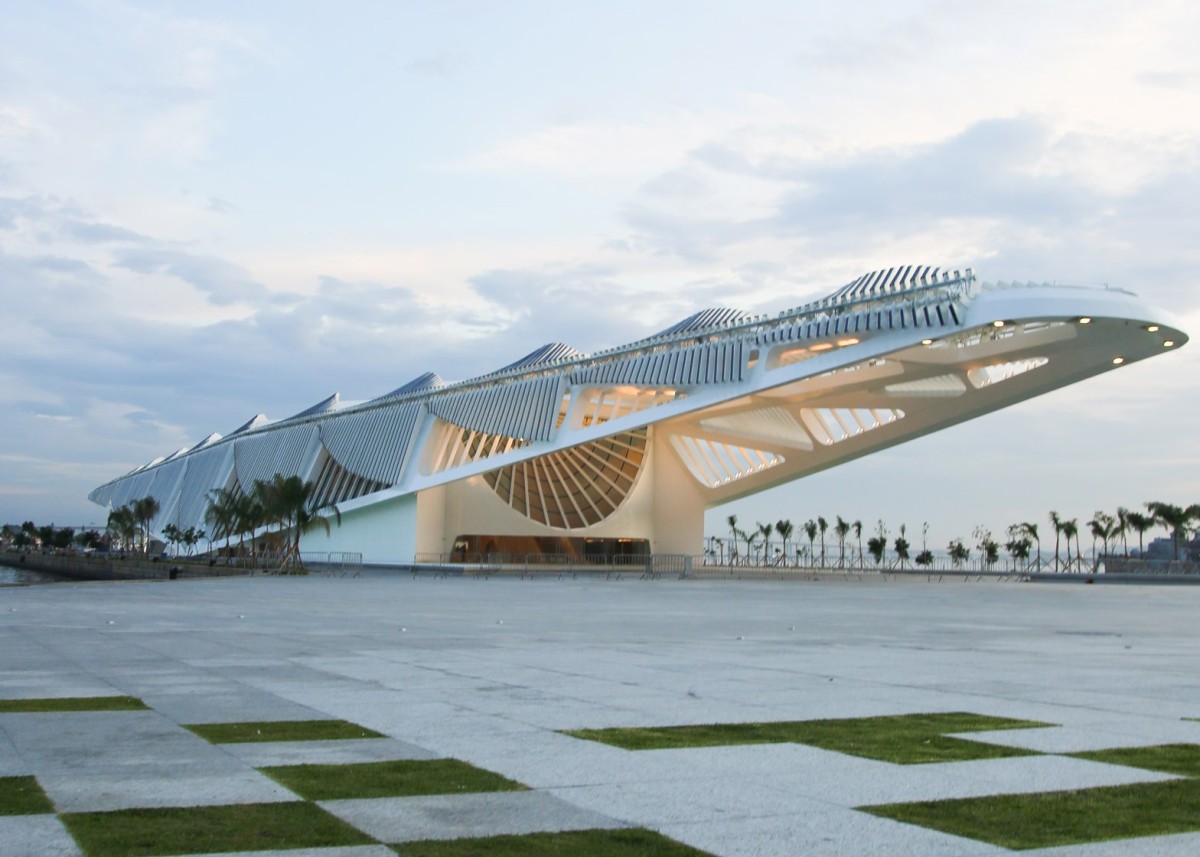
[[15, 576]]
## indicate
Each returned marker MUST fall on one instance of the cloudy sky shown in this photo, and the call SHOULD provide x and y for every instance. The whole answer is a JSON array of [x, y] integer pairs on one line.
[[213, 209]]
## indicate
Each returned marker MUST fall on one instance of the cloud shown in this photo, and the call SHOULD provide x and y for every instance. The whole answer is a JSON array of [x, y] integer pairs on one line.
[[1010, 195], [222, 281], [100, 233]]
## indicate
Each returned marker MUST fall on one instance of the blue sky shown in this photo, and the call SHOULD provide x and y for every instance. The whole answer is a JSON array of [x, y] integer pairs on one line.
[[211, 210]]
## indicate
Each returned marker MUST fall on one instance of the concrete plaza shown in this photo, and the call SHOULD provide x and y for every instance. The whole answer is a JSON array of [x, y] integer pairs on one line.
[[487, 671]]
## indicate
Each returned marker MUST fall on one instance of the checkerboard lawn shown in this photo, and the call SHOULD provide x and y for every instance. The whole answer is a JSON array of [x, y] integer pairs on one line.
[[907, 739], [281, 730], [210, 829], [404, 778]]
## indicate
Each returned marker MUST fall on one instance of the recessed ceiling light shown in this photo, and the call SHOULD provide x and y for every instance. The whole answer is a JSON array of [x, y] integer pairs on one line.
[[1153, 328], [1117, 361], [1168, 343], [997, 323], [850, 341], [927, 342], [1085, 320]]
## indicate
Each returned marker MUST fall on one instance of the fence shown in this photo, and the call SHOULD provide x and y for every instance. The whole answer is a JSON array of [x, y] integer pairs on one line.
[[643, 565]]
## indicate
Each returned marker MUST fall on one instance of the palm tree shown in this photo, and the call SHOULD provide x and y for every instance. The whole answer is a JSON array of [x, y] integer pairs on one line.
[[857, 525], [1121, 528], [1030, 529], [1056, 522], [294, 505], [765, 531], [842, 528], [784, 528], [1140, 523], [1102, 526], [144, 511], [122, 525], [750, 536], [810, 530], [822, 525], [250, 516], [1174, 518], [221, 514], [1071, 529]]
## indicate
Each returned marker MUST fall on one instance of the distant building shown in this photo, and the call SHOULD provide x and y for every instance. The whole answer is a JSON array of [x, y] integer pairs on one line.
[[622, 451]]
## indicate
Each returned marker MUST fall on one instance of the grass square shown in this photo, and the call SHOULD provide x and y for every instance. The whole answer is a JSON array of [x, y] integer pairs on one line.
[[1060, 818], [629, 842], [210, 829], [404, 778], [281, 730], [72, 703], [1182, 759], [23, 796], [906, 739]]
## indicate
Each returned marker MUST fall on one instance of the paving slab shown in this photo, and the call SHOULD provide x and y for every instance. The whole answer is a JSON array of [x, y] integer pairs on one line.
[[407, 819], [35, 836], [265, 754], [487, 671]]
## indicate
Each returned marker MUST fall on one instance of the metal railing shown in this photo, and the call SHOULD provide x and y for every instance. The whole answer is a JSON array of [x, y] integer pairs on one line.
[[643, 565]]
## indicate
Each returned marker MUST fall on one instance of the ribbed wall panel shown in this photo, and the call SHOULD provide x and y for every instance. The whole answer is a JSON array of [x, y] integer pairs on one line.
[[679, 367], [522, 409], [164, 487], [373, 443], [288, 452], [132, 488], [940, 314], [206, 470]]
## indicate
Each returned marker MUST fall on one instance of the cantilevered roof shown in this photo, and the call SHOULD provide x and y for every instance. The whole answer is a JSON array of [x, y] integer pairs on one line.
[[253, 423], [428, 381], [715, 317], [322, 407], [551, 352], [208, 441], [890, 281]]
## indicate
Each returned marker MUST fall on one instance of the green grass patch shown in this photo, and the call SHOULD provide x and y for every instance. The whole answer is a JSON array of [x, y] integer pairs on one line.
[[23, 796], [403, 778], [632, 842], [1060, 818], [907, 739], [281, 730], [1182, 759], [72, 703], [210, 829]]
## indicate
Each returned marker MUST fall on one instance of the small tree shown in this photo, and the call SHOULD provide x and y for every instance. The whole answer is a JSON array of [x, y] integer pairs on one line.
[[1140, 523], [959, 553], [822, 525], [901, 546], [765, 531], [784, 528], [877, 544], [989, 551], [1018, 543], [810, 530], [842, 529], [924, 558]]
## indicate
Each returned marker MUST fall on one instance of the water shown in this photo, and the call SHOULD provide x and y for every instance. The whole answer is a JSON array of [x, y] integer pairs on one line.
[[17, 576]]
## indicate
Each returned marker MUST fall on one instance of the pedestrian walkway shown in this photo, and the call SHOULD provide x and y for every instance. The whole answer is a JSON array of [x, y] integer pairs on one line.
[[490, 673]]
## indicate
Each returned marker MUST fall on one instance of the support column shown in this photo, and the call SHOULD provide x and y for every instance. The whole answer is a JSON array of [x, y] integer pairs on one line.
[[678, 503]]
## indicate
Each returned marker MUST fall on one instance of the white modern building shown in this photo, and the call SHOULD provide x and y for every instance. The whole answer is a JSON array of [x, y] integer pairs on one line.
[[622, 451]]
